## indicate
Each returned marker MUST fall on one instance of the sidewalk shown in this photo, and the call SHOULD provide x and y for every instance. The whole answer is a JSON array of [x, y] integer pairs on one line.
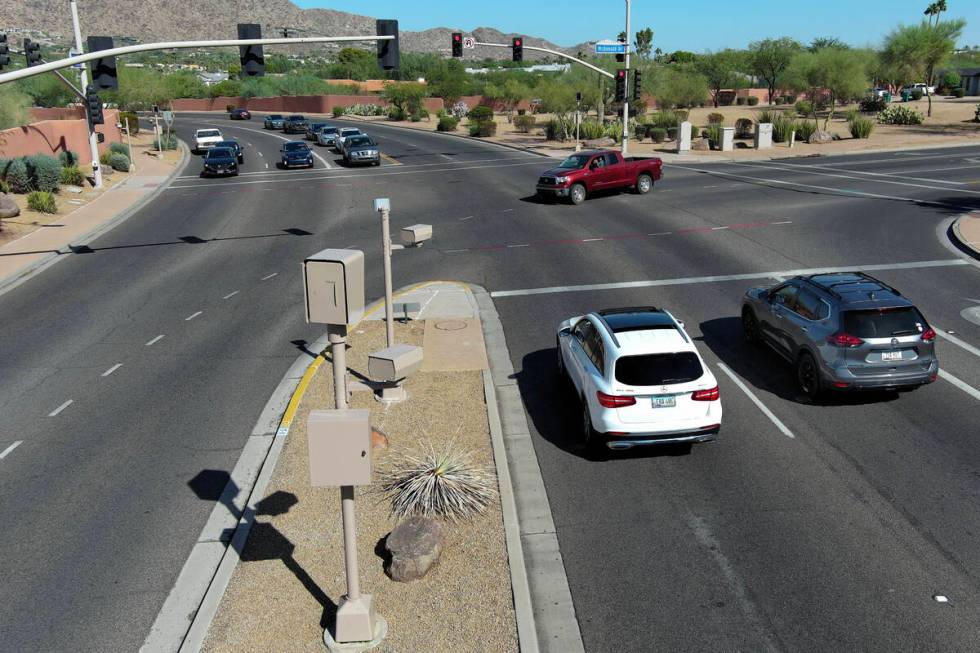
[[42, 247], [966, 230]]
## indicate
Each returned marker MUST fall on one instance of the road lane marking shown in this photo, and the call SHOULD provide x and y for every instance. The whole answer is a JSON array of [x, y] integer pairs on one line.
[[112, 369], [230, 295], [282, 138], [521, 245], [154, 341], [260, 154], [661, 233], [506, 210], [6, 452], [60, 408], [267, 166], [783, 222], [750, 276], [956, 341], [269, 276], [899, 175], [467, 218], [758, 402], [592, 240], [718, 228], [968, 389], [192, 316]]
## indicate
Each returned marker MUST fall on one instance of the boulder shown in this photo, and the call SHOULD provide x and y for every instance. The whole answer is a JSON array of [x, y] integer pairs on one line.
[[701, 144], [379, 440], [75, 190], [414, 546], [820, 137], [8, 207], [599, 143]]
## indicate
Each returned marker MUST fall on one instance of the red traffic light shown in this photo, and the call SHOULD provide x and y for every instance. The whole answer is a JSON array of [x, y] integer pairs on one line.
[[517, 42], [621, 73], [457, 37]]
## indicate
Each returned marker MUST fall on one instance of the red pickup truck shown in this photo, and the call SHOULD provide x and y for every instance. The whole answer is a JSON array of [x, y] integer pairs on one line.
[[585, 172]]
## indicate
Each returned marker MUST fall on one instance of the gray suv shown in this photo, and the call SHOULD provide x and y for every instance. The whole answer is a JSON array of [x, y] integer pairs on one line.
[[843, 331]]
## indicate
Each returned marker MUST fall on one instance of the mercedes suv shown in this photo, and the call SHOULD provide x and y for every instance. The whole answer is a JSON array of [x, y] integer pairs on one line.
[[843, 331]]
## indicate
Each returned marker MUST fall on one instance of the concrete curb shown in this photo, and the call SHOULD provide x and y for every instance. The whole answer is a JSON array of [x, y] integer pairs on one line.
[[535, 545], [39, 266], [959, 241]]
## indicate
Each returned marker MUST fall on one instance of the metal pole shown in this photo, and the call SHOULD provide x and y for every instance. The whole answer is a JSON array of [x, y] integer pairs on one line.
[[386, 255], [350, 543], [626, 100], [129, 143], [93, 139], [337, 335]]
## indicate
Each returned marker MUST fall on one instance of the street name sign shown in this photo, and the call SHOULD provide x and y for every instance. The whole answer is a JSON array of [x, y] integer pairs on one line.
[[610, 47]]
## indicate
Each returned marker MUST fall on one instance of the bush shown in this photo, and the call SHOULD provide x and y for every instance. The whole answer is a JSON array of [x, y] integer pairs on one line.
[[951, 79], [753, 101], [440, 113], [229, 107], [447, 124], [744, 128], [487, 128], [119, 148], [337, 112], [916, 94], [415, 117], [395, 114], [4, 187], [42, 201], [17, 178], [459, 110], [861, 127], [850, 115], [958, 92], [104, 157], [803, 107], [658, 134], [671, 132], [780, 99], [741, 100], [119, 162], [480, 113], [423, 113], [714, 135], [715, 119], [639, 132], [767, 115], [665, 118], [44, 172], [899, 115], [131, 119], [65, 157], [524, 123], [790, 99], [805, 129], [165, 142], [591, 129], [72, 176], [782, 129], [873, 104]]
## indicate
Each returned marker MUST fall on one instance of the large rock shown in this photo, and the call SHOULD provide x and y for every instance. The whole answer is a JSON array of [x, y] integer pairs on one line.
[[701, 144], [820, 137], [8, 207], [599, 143], [414, 546]]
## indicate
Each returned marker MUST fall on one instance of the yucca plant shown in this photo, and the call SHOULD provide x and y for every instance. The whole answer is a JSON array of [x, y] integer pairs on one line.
[[782, 129], [805, 129], [767, 115], [861, 127], [591, 129], [431, 483]]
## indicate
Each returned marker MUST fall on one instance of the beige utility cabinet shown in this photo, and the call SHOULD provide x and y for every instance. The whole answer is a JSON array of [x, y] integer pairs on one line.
[[333, 281], [340, 447]]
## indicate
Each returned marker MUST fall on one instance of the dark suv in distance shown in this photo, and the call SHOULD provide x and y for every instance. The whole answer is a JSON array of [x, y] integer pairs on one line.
[[843, 331], [294, 125]]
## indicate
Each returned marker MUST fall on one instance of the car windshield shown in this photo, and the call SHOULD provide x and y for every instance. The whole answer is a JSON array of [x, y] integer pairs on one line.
[[659, 369], [275, 116], [207, 133], [349, 132], [884, 323], [295, 147], [220, 153], [575, 162], [296, 118], [328, 130], [360, 140], [230, 144]]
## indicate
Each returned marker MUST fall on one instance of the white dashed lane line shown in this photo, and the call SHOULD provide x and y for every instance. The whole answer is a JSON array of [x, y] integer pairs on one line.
[[6, 452], [269, 276], [54, 413], [112, 369], [192, 316], [154, 341], [965, 387], [230, 295]]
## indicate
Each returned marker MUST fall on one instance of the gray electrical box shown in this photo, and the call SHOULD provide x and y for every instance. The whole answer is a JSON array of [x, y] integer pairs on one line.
[[416, 234], [333, 283], [394, 363], [340, 447]]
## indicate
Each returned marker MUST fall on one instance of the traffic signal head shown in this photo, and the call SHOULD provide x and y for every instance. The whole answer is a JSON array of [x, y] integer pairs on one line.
[[33, 52], [93, 106], [621, 85], [517, 45], [252, 59], [388, 55], [103, 70], [457, 44], [637, 85], [4, 51]]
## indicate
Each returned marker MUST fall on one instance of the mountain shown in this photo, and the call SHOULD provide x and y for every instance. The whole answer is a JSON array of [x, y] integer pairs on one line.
[[172, 20]]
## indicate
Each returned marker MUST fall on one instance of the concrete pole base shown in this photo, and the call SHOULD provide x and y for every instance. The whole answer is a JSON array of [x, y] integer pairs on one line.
[[391, 393], [380, 632]]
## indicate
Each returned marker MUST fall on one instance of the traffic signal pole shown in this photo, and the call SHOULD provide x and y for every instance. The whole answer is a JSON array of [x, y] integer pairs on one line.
[[536, 49], [93, 139], [626, 100]]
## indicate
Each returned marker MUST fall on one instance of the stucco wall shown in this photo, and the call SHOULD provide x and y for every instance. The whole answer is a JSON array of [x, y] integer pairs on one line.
[[55, 136], [289, 103]]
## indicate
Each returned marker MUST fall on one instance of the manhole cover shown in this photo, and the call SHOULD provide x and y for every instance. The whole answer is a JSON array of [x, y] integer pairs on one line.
[[451, 325]]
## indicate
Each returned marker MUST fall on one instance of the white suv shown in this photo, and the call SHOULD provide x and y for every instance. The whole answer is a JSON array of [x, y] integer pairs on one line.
[[205, 139], [640, 379]]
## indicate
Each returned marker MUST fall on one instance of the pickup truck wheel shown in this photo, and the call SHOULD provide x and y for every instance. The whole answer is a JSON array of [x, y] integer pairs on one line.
[[577, 194], [644, 183]]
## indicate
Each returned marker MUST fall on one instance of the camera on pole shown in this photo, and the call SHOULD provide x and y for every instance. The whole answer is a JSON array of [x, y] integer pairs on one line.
[[637, 85], [517, 45], [93, 106], [388, 55], [32, 51], [4, 51], [457, 44], [252, 59], [621, 85], [103, 70]]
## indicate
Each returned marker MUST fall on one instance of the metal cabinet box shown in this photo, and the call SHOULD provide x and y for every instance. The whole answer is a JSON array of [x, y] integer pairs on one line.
[[340, 447], [416, 234], [333, 283], [395, 362]]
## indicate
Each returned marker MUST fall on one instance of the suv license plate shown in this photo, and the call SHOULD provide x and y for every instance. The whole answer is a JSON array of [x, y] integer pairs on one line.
[[891, 355], [663, 401]]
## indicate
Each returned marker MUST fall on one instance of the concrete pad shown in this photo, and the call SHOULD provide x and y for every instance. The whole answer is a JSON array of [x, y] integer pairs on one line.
[[438, 300], [453, 345]]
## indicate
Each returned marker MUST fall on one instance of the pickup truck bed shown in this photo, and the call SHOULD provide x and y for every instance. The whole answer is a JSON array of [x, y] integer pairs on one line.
[[583, 173]]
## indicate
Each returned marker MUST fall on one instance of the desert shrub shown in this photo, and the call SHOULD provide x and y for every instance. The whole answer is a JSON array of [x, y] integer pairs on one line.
[[524, 123], [767, 115], [119, 162], [744, 128], [899, 115], [17, 178], [42, 201], [66, 157], [447, 124], [680, 115], [715, 118], [72, 176], [3, 167], [229, 108], [395, 114], [131, 119], [459, 110], [916, 94], [741, 100], [415, 117], [44, 172], [440, 113], [671, 132], [805, 129], [861, 127], [803, 107], [338, 111], [480, 113], [790, 99], [850, 115], [487, 128], [119, 148], [951, 79], [714, 135], [165, 142], [873, 104], [780, 99], [4, 187], [591, 129], [664, 118], [422, 113], [104, 157], [614, 130], [753, 101], [657, 134], [782, 129], [958, 92], [639, 132]]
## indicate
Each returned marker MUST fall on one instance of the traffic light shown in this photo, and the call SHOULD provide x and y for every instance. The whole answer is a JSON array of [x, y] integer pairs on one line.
[[457, 44], [103, 70], [637, 85], [621, 56], [4, 51], [33, 53], [621, 85], [388, 55], [517, 45], [93, 106], [252, 59]]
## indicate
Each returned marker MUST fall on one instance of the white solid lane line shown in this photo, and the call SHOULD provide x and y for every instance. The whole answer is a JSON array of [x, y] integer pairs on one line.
[[192, 316], [230, 295], [269, 276], [112, 369], [154, 341], [260, 154], [6, 452], [60, 408], [758, 402], [965, 387], [897, 175], [956, 341]]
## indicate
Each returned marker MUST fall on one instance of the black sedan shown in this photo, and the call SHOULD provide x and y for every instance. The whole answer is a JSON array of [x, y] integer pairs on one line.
[[235, 146], [240, 114], [220, 161], [295, 125], [296, 153]]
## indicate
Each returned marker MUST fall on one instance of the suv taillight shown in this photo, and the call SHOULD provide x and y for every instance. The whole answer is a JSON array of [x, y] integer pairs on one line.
[[928, 335], [712, 394], [613, 401], [844, 340]]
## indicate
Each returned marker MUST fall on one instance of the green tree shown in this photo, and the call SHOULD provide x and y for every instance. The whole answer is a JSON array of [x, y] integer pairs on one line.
[[770, 58], [15, 107], [678, 86], [935, 9], [404, 96], [916, 50], [824, 42], [682, 56], [721, 71], [840, 75], [47, 90], [512, 93], [644, 42]]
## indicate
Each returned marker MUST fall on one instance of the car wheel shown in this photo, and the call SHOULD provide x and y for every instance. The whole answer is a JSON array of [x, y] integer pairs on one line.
[[750, 327], [808, 376], [577, 194], [644, 184]]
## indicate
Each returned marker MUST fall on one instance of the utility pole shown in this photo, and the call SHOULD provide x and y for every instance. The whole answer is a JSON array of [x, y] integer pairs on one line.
[[383, 206], [626, 100], [93, 139]]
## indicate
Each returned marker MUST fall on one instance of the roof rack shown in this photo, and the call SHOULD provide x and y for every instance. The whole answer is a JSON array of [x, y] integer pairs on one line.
[[863, 276], [629, 309]]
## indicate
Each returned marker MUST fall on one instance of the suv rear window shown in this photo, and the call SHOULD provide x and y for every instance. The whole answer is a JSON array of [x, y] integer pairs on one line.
[[659, 369], [884, 323]]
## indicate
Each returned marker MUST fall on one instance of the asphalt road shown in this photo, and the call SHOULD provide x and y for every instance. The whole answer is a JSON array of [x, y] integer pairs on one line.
[[834, 539]]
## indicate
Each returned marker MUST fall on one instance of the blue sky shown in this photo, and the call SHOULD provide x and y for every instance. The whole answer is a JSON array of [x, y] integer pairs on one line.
[[706, 25]]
